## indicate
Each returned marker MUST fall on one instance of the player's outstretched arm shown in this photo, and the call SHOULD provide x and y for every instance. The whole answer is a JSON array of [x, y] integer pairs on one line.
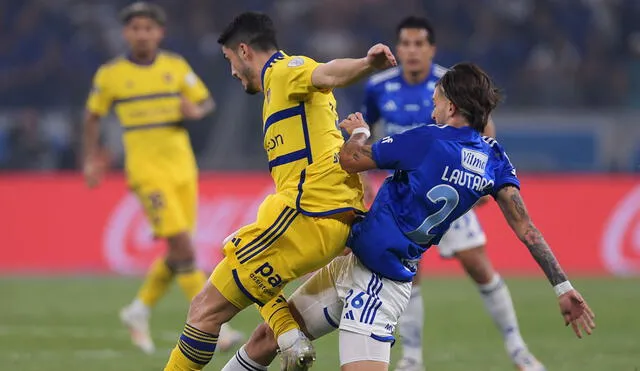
[[343, 72], [572, 306], [356, 154]]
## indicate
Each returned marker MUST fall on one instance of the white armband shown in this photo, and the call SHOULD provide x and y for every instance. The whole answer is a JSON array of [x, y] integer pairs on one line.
[[562, 288], [361, 130]]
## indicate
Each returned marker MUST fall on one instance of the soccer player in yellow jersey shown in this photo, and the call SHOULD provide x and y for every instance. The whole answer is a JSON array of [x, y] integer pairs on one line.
[[152, 92], [305, 223]]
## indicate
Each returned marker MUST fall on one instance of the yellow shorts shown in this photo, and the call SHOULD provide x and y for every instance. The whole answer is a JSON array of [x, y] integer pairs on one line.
[[170, 207], [280, 246]]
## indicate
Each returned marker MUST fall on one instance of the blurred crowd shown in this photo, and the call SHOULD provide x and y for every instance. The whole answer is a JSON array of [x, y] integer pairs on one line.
[[542, 53]]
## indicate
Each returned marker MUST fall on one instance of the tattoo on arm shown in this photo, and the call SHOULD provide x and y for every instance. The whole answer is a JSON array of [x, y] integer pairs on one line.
[[518, 217]]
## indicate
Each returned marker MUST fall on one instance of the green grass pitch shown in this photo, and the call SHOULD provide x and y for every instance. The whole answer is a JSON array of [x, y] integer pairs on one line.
[[71, 323]]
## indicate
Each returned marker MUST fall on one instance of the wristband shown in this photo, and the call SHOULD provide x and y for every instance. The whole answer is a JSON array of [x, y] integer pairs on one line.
[[562, 288], [361, 130]]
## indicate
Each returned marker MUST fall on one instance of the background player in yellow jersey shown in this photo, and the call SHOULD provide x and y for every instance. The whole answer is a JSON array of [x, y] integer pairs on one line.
[[152, 92], [305, 224]]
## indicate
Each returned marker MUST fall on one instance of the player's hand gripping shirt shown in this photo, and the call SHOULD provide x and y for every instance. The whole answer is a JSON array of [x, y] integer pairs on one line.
[[440, 173], [146, 99], [302, 140]]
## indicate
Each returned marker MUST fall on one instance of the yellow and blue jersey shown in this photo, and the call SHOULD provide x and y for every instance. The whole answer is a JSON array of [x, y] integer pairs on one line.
[[302, 139], [147, 99]]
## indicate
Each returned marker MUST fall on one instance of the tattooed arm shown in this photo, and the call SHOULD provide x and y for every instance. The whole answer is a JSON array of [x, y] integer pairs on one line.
[[355, 154], [515, 212]]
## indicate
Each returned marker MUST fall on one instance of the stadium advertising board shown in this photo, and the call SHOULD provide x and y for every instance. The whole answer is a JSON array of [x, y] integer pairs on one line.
[[53, 224]]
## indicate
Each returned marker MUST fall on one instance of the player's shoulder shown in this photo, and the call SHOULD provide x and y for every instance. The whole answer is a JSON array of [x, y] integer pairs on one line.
[[494, 147], [113, 63], [385, 76], [171, 57], [438, 71]]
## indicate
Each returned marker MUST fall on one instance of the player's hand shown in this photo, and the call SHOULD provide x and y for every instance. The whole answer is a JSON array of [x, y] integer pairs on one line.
[[380, 57], [576, 312], [353, 121], [190, 110], [93, 171]]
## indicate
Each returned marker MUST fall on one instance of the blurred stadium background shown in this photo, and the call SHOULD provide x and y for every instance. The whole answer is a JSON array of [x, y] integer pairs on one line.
[[570, 70]]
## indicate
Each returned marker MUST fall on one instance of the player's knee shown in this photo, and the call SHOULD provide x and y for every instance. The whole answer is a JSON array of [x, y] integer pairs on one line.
[[262, 345], [180, 248], [209, 309], [477, 265]]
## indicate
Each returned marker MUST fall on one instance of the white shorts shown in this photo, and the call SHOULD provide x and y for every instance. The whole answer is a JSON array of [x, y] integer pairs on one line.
[[465, 233], [348, 296]]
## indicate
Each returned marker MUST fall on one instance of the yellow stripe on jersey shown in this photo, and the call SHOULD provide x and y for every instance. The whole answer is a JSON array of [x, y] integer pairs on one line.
[[302, 140], [147, 101]]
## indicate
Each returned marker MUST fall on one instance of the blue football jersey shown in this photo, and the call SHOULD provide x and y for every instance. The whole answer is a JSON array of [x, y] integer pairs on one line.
[[397, 105], [440, 172]]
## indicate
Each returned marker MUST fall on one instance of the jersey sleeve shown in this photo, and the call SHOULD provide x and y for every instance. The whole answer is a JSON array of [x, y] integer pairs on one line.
[[191, 87], [297, 77], [401, 151], [370, 109], [100, 98], [505, 175]]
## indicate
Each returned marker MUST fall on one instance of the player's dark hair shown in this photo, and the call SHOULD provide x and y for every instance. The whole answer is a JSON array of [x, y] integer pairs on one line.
[[251, 28], [143, 9], [420, 23], [473, 93]]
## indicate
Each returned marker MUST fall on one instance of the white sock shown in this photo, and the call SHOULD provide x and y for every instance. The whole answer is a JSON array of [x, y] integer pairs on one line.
[[241, 362], [411, 326], [497, 300], [289, 338], [139, 307]]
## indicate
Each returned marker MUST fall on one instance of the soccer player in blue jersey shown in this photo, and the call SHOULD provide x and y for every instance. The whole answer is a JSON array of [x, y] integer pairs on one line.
[[397, 100], [440, 172]]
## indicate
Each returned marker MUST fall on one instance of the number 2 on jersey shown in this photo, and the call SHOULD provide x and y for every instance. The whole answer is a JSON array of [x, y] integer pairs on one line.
[[441, 192]]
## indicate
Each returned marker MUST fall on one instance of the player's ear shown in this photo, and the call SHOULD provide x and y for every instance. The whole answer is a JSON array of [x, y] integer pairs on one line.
[[243, 51]]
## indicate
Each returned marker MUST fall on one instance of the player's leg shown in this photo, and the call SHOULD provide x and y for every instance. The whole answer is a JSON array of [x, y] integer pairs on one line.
[[192, 279], [466, 242], [411, 328], [162, 207], [315, 305], [218, 302], [372, 307]]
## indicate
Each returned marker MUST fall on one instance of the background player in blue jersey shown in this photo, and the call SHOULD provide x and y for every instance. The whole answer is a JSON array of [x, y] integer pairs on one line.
[[397, 100], [440, 172]]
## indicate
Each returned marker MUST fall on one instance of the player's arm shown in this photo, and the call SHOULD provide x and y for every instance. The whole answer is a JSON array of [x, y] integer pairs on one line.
[[573, 307], [346, 71], [98, 105], [490, 131], [356, 155], [197, 102]]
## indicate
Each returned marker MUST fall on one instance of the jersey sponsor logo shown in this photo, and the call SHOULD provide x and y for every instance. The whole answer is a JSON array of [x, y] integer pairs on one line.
[[392, 86], [274, 142], [390, 106], [474, 161], [620, 244], [412, 107], [296, 62], [466, 179]]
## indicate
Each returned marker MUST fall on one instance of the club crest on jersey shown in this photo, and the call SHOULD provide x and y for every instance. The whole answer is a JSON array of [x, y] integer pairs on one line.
[[168, 78], [474, 161]]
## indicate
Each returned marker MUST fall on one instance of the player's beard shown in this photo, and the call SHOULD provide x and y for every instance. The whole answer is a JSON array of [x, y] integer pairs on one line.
[[250, 76]]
